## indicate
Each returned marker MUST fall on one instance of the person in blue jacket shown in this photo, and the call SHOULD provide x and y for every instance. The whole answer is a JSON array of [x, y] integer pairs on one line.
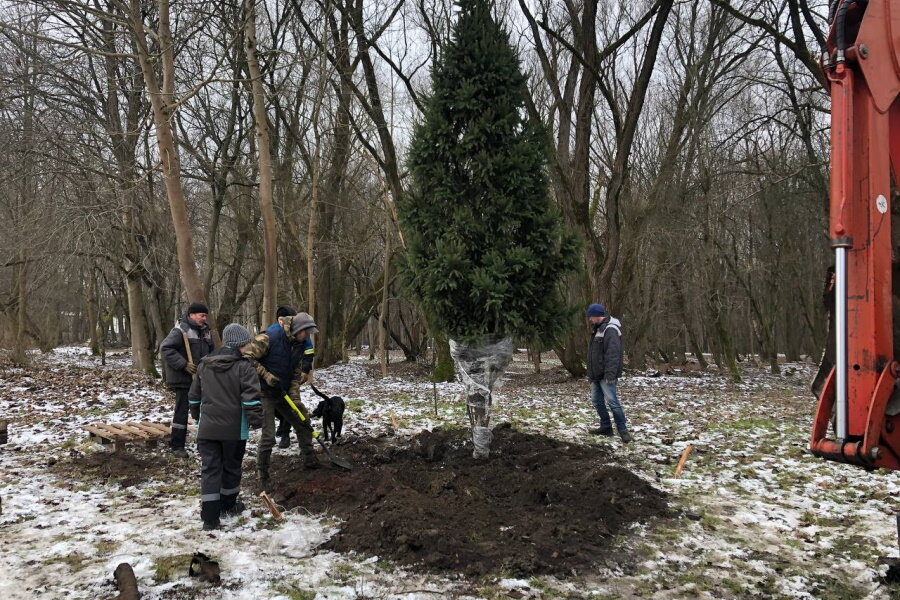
[[283, 432], [283, 363]]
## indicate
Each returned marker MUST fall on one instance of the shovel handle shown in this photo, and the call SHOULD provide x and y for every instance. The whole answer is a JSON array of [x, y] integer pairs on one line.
[[290, 402]]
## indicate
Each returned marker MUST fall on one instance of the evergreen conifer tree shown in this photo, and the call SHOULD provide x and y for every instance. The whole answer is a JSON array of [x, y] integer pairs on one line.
[[486, 245]]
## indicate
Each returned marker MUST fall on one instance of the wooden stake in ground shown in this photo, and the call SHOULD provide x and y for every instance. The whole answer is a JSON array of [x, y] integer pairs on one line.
[[126, 582], [270, 505], [394, 421], [684, 456]]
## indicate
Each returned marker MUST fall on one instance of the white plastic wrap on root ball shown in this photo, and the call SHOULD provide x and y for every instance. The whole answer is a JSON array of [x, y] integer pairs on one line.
[[480, 366]]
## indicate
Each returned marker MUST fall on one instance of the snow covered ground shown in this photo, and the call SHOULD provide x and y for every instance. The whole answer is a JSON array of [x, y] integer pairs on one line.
[[759, 517]]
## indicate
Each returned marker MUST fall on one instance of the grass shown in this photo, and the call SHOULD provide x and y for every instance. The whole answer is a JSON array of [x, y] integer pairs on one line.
[[106, 547], [172, 567], [293, 592], [74, 560]]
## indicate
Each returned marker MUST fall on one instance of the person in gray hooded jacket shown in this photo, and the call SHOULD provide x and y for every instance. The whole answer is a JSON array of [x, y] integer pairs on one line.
[[226, 390], [604, 365]]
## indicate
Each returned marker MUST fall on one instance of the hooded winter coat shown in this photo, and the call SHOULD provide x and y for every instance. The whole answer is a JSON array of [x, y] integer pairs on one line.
[[605, 351], [227, 390], [174, 356]]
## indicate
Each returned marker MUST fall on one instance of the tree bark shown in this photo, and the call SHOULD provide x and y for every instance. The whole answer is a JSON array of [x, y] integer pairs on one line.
[[163, 106], [263, 149], [382, 335]]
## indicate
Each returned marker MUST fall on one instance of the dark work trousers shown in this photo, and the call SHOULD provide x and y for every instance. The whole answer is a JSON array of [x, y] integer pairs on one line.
[[284, 425], [179, 419], [274, 402], [220, 475]]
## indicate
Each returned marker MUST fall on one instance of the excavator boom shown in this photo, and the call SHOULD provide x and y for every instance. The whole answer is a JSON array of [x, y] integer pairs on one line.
[[862, 67]]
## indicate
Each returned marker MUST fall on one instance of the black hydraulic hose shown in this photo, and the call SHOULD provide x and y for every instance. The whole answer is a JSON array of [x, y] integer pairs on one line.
[[839, 38], [831, 8]]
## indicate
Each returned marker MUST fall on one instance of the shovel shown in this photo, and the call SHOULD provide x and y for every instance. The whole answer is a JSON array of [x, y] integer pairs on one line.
[[338, 462]]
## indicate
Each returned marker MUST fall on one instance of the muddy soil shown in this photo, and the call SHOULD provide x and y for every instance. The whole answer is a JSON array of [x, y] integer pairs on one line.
[[537, 506], [126, 469]]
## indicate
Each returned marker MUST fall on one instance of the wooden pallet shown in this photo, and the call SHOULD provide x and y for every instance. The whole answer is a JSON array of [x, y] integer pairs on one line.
[[118, 433]]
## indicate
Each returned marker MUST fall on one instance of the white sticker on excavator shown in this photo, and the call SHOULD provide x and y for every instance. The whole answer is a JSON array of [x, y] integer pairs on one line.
[[881, 204]]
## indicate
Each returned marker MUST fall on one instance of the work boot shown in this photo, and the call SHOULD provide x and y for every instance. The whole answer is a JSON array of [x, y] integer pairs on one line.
[[262, 466], [311, 461], [234, 510], [626, 437], [211, 525], [284, 441], [180, 453], [607, 431]]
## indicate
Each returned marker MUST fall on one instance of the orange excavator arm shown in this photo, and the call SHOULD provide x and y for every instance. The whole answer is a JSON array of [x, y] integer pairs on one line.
[[862, 67]]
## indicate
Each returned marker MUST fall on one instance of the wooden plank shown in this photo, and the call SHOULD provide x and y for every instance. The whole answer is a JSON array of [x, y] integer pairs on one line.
[[133, 430], [150, 433], [124, 434], [114, 432], [154, 433], [159, 426], [97, 435], [97, 432]]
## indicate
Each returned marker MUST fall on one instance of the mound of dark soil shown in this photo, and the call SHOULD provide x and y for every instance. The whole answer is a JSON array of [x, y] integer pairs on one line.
[[537, 506]]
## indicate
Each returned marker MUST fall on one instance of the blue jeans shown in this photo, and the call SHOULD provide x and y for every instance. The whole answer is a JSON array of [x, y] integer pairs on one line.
[[600, 391]]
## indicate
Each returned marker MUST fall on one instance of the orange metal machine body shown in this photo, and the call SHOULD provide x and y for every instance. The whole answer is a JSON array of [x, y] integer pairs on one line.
[[862, 66]]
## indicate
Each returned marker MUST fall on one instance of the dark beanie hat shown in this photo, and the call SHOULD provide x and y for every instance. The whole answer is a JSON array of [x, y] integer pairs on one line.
[[236, 336], [197, 307], [285, 311], [595, 310]]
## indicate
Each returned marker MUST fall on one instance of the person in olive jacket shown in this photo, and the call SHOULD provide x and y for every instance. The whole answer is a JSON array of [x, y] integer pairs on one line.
[[604, 366], [180, 366], [226, 390]]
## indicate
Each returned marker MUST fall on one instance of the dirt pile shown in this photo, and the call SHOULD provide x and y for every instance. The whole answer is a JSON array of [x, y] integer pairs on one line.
[[538, 506]]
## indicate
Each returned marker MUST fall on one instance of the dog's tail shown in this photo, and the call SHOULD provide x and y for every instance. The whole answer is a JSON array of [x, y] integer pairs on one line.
[[316, 390]]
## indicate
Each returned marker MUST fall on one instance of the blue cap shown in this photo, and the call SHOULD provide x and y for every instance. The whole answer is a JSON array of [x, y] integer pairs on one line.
[[595, 310]]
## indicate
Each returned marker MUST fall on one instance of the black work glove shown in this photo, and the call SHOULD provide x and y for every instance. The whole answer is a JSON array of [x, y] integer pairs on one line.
[[195, 412], [190, 368], [254, 420]]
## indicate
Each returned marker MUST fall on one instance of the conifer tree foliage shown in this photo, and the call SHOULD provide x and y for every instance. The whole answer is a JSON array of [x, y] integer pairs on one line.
[[486, 245]]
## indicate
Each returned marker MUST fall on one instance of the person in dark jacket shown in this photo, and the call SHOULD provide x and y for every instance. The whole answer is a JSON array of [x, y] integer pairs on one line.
[[180, 366], [283, 432], [226, 391], [604, 366], [283, 363]]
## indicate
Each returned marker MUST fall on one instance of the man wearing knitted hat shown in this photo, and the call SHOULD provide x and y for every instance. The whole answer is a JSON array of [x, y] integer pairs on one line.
[[604, 364], [226, 391], [182, 351], [283, 431], [283, 363]]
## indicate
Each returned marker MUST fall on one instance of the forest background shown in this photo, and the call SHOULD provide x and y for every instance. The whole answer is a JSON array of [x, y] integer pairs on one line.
[[253, 154]]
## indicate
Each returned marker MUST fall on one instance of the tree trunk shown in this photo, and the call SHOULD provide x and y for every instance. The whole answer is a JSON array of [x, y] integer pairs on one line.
[[263, 149], [93, 310], [22, 312], [137, 321], [382, 335], [163, 106], [443, 364]]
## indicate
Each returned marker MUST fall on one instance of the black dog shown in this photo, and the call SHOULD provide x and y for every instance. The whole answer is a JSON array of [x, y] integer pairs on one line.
[[331, 409]]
